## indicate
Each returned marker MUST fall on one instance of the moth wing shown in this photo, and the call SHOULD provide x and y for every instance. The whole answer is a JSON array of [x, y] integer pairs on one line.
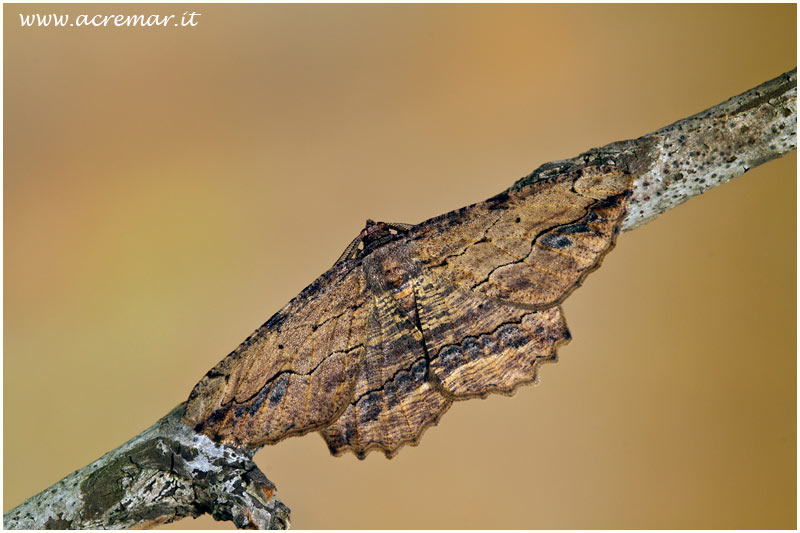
[[530, 246], [295, 374], [394, 400], [478, 345]]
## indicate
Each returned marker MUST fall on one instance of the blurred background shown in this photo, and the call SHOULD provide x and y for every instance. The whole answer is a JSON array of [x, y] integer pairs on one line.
[[168, 189]]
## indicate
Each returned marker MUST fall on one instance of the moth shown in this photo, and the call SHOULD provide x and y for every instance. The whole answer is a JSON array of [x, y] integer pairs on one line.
[[414, 317]]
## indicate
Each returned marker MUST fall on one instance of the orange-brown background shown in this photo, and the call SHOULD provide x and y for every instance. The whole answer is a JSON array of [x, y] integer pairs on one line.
[[167, 190]]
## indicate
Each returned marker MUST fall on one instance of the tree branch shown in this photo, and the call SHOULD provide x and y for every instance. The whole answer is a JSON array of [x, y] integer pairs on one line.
[[165, 473], [170, 472]]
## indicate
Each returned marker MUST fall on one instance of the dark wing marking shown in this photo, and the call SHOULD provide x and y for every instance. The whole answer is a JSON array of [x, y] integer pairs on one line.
[[394, 399], [530, 246], [295, 374], [479, 345]]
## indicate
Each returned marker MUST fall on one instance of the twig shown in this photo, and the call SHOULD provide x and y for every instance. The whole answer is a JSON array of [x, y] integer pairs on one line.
[[169, 472], [165, 473]]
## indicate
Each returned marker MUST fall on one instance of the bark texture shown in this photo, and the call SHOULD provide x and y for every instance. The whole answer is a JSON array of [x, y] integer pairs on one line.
[[165, 473], [169, 471]]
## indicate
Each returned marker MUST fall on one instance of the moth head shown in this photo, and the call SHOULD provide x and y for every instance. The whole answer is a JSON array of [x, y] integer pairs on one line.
[[376, 234]]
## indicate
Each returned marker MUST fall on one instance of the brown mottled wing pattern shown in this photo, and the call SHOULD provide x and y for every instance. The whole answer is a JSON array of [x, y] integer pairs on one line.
[[395, 399], [459, 306], [530, 246], [491, 318], [478, 346], [296, 373]]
